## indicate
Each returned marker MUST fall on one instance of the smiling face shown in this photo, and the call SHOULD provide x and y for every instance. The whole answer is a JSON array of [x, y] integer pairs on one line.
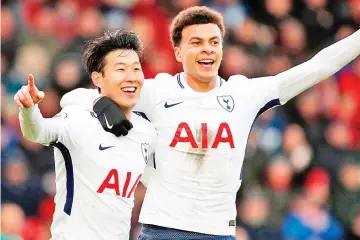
[[200, 51], [121, 79]]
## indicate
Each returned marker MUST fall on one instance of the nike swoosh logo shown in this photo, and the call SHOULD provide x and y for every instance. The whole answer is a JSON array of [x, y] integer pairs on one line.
[[101, 148], [166, 105], [107, 123]]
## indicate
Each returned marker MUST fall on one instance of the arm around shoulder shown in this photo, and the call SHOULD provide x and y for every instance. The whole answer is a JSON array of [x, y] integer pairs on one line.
[[81, 96]]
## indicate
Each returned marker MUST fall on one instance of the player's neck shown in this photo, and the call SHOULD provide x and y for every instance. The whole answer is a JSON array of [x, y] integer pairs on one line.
[[200, 86], [127, 114]]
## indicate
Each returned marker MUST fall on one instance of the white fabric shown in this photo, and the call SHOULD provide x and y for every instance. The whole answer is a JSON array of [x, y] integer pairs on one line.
[[195, 182], [96, 213]]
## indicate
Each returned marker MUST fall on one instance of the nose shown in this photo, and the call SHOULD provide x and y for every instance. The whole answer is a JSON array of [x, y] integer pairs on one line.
[[208, 48], [130, 76]]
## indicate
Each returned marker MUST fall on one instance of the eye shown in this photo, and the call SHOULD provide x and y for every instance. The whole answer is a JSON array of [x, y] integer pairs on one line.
[[195, 43], [120, 69], [137, 69], [215, 42]]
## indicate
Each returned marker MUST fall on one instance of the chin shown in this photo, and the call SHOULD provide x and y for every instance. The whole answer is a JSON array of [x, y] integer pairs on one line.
[[125, 104], [207, 76], [128, 106]]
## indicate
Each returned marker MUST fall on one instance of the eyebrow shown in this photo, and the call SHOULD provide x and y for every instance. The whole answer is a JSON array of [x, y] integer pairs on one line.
[[122, 63], [199, 38]]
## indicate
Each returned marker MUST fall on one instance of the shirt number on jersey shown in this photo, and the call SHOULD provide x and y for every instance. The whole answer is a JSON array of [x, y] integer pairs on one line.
[[223, 135], [112, 182]]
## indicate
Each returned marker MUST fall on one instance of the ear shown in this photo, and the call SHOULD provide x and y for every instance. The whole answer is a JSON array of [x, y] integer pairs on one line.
[[97, 79], [177, 54]]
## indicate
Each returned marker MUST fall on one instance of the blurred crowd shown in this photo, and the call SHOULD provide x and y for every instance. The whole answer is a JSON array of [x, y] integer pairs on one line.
[[301, 176]]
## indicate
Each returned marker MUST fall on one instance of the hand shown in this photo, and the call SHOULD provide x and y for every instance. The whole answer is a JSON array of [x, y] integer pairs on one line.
[[29, 95], [112, 117]]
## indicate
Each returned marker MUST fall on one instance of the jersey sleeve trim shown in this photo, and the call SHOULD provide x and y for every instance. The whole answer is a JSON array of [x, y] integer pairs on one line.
[[69, 176], [271, 104]]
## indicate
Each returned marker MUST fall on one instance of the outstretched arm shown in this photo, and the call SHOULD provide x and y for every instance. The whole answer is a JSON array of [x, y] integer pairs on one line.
[[323, 65]]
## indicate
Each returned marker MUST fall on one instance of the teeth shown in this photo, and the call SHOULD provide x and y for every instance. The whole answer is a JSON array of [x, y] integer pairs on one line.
[[206, 61], [129, 89]]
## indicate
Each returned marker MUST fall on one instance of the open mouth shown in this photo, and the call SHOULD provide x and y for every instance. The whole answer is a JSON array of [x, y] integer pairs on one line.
[[206, 62], [129, 90]]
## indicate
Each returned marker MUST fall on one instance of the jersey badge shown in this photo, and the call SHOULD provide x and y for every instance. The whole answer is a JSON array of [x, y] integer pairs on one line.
[[226, 102], [145, 151]]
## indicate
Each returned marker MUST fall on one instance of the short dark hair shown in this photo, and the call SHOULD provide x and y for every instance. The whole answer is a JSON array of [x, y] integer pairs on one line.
[[96, 50], [192, 16]]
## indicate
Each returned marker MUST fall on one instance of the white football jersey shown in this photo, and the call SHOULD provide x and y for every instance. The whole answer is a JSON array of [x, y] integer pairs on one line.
[[202, 137], [201, 140], [96, 172], [200, 149]]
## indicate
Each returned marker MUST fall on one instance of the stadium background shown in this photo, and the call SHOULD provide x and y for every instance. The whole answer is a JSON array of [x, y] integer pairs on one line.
[[301, 174]]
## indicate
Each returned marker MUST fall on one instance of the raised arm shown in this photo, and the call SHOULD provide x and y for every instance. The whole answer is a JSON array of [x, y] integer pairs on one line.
[[323, 65], [33, 126]]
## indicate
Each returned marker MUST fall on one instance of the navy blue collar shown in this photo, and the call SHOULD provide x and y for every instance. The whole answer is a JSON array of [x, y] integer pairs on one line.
[[178, 78]]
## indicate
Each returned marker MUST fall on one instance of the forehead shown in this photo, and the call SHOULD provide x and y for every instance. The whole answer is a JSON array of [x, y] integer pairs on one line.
[[126, 56], [204, 31]]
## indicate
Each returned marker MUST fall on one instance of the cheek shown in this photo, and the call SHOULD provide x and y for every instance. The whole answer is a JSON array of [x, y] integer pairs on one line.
[[115, 78], [219, 53], [141, 83], [191, 58], [140, 78], [112, 81]]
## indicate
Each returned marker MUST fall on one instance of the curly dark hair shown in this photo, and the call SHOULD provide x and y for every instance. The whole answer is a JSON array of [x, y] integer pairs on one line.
[[192, 16]]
